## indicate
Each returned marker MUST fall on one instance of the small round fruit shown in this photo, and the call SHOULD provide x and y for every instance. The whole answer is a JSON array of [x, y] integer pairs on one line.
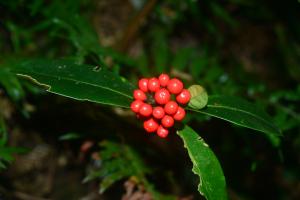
[[136, 105], [167, 121], [139, 95], [162, 96], [171, 107], [175, 86], [158, 112], [162, 132], [145, 110], [143, 84], [184, 97], [150, 125], [180, 114], [153, 84], [163, 80]]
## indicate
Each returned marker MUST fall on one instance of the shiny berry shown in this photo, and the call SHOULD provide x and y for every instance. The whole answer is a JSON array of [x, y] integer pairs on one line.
[[171, 107], [153, 84], [139, 95], [162, 132], [143, 84], [158, 112], [162, 96], [150, 125], [184, 97], [136, 105], [180, 114], [163, 80], [175, 86], [167, 121], [145, 110]]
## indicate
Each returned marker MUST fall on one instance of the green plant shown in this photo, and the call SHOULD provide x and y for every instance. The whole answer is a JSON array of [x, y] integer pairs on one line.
[[122, 161], [6, 152], [98, 84], [234, 48]]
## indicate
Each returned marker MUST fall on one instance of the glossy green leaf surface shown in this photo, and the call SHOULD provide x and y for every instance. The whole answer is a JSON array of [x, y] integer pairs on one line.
[[240, 112], [81, 82], [205, 164]]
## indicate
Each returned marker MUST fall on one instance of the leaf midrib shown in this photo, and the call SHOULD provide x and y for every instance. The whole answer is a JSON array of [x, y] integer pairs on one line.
[[245, 125], [70, 79], [242, 111]]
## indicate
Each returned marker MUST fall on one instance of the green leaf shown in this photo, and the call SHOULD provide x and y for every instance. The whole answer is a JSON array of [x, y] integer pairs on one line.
[[2, 165], [11, 84], [205, 164], [80, 82], [70, 136], [6, 153], [240, 112]]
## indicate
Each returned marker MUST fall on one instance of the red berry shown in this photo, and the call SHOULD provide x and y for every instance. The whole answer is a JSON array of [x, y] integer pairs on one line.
[[184, 96], [180, 114], [175, 86], [164, 79], [150, 125], [162, 96], [158, 112], [171, 107], [145, 110], [162, 132], [143, 84], [139, 95], [167, 121], [136, 105], [153, 84]]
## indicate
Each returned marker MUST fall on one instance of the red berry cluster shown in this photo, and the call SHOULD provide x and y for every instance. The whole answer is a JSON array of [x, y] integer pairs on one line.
[[153, 102]]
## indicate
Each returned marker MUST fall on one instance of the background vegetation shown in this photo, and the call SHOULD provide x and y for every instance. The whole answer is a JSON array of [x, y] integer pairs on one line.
[[234, 47]]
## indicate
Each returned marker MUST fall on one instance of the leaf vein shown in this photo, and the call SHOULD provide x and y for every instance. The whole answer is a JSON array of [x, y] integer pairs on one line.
[[70, 79], [243, 111]]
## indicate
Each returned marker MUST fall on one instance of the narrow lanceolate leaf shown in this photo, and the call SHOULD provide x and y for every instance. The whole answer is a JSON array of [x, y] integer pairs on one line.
[[205, 164], [240, 112], [81, 82]]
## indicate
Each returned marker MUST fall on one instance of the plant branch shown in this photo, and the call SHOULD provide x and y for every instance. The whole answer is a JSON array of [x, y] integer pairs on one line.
[[132, 29]]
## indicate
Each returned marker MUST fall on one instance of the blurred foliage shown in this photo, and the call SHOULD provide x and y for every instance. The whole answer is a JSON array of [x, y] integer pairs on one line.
[[120, 161], [11, 85], [233, 47], [6, 152]]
